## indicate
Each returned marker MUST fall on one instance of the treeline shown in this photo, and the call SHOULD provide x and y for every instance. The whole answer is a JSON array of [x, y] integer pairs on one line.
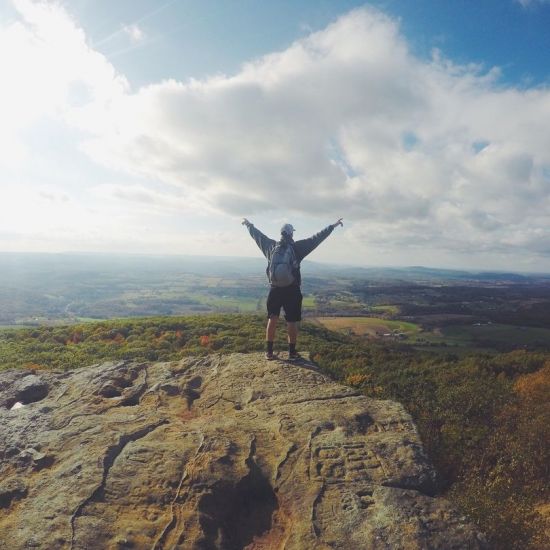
[[150, 339], [484, 420], [514, 304]]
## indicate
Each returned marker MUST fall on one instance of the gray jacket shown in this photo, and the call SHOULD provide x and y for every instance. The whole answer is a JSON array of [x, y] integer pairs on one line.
[[301, 248]]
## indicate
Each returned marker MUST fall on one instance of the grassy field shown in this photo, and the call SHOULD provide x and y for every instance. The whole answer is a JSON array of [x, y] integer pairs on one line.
[[235, 303], [486, 338], [386, 308], [368, 326]]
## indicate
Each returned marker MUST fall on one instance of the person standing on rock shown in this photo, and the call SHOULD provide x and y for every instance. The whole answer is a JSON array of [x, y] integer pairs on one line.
[[283, 271]]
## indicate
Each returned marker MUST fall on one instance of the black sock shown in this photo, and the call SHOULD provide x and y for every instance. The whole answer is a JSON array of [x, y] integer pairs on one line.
[[269, 346], [291, 348]]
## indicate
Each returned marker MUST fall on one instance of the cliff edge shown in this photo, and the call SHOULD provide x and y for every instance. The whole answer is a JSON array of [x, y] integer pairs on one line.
[[227, 452]]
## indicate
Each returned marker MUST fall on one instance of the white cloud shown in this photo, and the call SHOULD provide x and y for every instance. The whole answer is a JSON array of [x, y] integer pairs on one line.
[[134, 32], [406, 132], [347, 121], [142, 198], [47, 71], [530, 3]]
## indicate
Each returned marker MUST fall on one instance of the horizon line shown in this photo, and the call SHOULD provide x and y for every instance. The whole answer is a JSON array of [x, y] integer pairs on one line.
[[331, 264]]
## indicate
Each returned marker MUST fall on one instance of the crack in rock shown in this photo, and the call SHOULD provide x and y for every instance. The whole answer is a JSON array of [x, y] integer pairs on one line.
[[112, 453]]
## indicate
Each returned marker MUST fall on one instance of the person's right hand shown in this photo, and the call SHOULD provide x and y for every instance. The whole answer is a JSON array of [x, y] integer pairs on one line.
[[245, 222], [339, 222]]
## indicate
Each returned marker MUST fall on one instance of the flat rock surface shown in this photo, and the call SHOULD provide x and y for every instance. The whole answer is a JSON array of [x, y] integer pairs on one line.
[[226, 452]]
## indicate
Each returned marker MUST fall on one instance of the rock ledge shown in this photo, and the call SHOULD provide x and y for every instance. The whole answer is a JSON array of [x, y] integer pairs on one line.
[[226, 452]]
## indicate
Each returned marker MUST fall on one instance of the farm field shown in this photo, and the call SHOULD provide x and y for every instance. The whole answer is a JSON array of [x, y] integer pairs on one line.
[[486, 338], [495, 334], [368, 326], [459, 338], [386, 308]]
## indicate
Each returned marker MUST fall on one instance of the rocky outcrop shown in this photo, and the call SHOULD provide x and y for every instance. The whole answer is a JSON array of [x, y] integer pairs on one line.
[[225, 452]]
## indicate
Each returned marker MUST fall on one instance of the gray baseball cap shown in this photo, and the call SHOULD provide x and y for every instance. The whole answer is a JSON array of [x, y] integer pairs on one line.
[[287, 228]]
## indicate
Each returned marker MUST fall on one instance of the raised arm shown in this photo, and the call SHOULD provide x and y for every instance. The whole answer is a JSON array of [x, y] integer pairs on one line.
[[264, 243], [305, 246]]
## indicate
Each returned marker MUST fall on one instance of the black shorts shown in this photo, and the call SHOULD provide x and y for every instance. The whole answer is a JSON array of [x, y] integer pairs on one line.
[[289, 298]]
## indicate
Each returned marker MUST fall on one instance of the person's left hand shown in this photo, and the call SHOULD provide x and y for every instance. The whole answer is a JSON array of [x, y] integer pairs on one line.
[[245, 222], [339, 222]]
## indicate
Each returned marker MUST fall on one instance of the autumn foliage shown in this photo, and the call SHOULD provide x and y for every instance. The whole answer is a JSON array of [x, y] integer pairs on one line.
[[506, 482]]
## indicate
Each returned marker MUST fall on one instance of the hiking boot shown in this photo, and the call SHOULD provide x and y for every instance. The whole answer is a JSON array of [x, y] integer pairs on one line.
[[294, 356], [269, 355]]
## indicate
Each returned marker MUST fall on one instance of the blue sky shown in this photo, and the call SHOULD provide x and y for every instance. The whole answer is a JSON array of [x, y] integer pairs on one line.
[[151, 126], [197, 38]]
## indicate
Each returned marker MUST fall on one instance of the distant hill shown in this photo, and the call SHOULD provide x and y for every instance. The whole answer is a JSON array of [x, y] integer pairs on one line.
[[23, 268]]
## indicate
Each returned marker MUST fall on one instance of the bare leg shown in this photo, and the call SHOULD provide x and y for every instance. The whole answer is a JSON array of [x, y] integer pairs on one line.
[[271, 328], [292, 330]]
